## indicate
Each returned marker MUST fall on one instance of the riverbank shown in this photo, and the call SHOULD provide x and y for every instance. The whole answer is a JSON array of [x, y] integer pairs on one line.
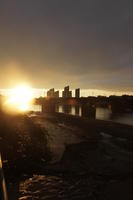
[[22, 146], [92, 126], [98, 166], [63, 157]]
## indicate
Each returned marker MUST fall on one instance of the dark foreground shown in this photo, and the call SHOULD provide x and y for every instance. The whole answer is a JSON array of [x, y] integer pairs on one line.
[[59, 157]]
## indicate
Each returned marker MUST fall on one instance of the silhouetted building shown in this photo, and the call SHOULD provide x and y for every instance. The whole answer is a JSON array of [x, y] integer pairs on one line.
[[52, 93], [66, 89], [66, 93], [70, 94], [56, 94], [77, 93]]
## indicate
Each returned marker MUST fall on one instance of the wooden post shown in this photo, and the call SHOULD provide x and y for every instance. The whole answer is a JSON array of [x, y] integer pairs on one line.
[[3, 182]]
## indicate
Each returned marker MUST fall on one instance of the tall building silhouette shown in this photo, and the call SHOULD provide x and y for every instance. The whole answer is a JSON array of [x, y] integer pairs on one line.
[[77, 93], [66, 93], [52, 93], [56, 94]]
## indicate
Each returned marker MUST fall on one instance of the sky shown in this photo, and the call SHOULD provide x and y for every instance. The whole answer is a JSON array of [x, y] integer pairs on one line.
[[53, 43]]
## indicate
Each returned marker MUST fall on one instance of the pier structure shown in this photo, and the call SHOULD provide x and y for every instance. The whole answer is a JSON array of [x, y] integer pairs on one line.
[[49, 105]]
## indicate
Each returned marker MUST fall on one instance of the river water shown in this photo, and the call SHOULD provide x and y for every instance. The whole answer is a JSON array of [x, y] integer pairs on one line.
[[101, 113]]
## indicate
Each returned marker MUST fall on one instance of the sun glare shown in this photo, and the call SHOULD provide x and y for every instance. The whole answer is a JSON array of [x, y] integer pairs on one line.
[[20, 98]]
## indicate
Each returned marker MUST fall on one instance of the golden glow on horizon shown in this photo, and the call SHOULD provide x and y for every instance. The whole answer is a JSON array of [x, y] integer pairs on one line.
[[20, 98]]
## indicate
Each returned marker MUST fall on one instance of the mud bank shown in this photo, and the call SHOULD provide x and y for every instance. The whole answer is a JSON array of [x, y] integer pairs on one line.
[[23, 148], [92, 126], [98, 167], [54, 157]]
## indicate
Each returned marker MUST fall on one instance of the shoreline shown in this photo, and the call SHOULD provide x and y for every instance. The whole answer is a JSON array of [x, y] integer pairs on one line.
[[96, 125], [102, 161], [95, 151]]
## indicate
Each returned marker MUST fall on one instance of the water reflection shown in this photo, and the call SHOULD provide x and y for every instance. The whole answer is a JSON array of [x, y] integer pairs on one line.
[[68, 109], [101, 113], [77, 110], [35, 108], [126, 118]]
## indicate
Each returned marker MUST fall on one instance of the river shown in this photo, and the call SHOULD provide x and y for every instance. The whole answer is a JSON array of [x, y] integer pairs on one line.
[[101, 113]]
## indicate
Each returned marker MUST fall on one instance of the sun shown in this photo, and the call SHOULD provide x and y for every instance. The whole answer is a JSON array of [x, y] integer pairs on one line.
[[20, 98]]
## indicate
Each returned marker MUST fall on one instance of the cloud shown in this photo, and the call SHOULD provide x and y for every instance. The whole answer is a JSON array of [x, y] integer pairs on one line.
[[84, 43]]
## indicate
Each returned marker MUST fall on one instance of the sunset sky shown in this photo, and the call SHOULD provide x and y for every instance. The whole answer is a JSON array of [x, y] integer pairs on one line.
[[51, 43]]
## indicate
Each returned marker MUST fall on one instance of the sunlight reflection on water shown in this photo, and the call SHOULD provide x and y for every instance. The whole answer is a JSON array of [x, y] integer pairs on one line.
[[102, 114]]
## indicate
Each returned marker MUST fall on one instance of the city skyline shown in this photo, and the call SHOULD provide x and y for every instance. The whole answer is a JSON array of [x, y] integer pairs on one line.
[[84, 92]]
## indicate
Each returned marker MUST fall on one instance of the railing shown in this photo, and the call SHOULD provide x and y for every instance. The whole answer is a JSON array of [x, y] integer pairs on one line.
[[2, 182]]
